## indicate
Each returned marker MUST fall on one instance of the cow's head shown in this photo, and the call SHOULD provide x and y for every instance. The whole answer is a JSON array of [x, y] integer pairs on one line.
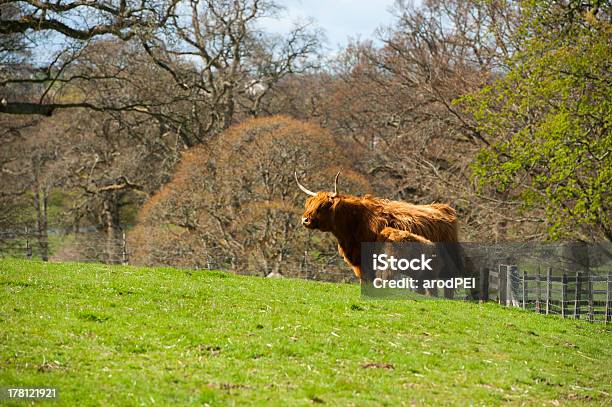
[[318, 211]]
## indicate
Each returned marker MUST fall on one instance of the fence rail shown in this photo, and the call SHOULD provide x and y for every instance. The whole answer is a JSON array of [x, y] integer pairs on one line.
[[580, 295], [97, 247]]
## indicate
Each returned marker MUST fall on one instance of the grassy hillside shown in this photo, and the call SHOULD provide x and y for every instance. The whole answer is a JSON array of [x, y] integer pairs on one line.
[[132, 336]]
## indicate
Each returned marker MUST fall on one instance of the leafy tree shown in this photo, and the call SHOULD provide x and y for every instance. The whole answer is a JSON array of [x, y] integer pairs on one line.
[[549, 116]]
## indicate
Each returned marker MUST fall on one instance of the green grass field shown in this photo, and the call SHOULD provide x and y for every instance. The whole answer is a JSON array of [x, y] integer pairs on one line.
[[114, 335]]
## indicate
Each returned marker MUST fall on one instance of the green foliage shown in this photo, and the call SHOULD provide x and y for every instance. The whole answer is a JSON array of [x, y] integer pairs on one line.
[[113, 335], [549, 119]]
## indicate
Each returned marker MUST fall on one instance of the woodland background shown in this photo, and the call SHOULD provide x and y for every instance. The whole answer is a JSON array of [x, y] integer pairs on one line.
[[179, 124]]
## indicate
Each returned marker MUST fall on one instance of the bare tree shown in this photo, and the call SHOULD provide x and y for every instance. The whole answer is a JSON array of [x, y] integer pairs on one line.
[[241, 212], [217, 53], [397, 101], [29, 175], [74, 24]]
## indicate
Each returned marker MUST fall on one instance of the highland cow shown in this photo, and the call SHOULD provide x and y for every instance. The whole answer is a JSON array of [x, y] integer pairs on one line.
[[353, 220]]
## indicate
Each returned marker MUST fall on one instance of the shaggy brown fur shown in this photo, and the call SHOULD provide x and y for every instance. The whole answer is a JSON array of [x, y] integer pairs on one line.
[[354, 220]]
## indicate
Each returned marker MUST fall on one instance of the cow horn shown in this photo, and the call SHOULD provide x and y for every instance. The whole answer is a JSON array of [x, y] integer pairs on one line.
[[336, 184], [302, 187]]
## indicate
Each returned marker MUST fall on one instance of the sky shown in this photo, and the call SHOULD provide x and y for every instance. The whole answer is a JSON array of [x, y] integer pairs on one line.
[[340, 19]]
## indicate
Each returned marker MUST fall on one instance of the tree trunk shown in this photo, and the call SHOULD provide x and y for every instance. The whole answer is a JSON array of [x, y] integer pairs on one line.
[[112, 228], [501, 231], [575, 257], [227, 114], [40, 205]]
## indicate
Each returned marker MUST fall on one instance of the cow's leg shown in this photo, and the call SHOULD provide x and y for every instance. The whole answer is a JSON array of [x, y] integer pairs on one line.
[[396, 235], [432, 292], [449, 293], [353, 259], [357, 271]]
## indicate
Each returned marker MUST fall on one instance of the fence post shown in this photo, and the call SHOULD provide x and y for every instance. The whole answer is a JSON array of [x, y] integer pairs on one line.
[[578, 292], [590, 296], [609, 298], [525, 290], [502, 286], [548, 283], [538, 292], [564, 295], [512, 281], [28, 247], [124, 256], [484, 284], [303, 270]]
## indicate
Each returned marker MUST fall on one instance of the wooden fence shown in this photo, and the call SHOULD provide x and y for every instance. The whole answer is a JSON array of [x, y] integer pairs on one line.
[[577, 295], [92, 246]]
